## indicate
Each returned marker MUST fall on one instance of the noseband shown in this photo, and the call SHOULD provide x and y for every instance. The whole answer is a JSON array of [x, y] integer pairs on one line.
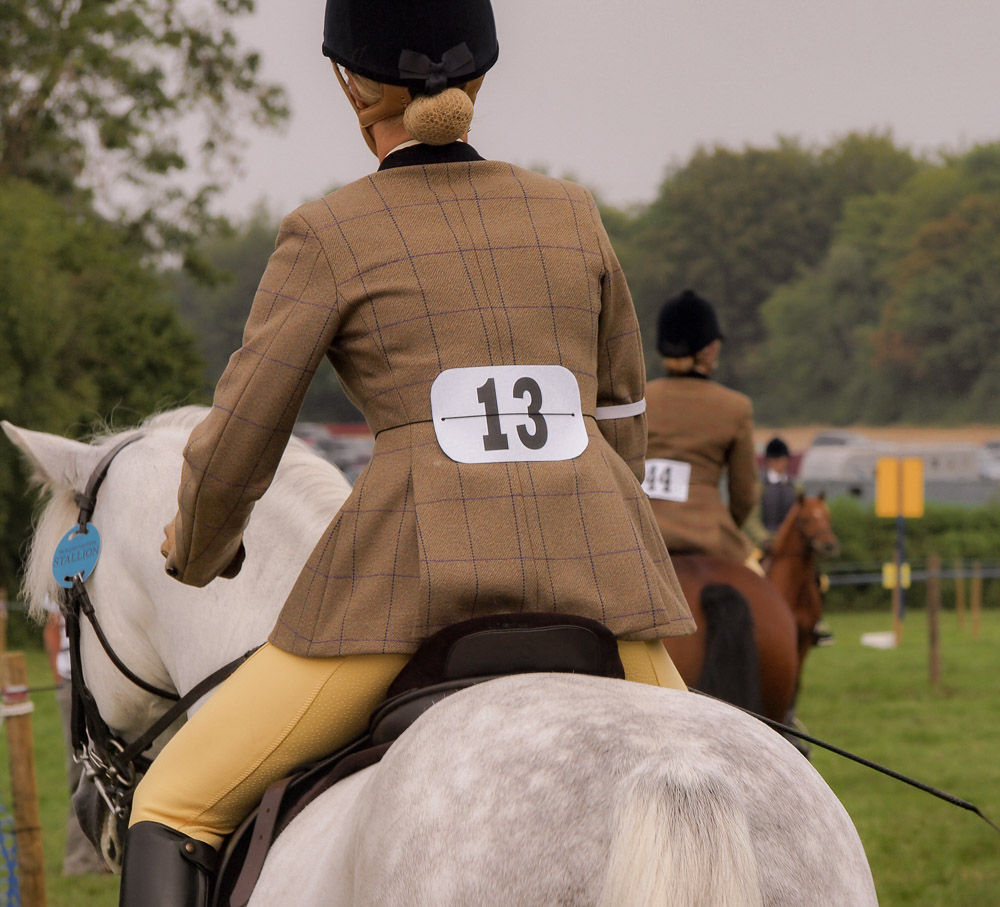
[[113, 765]]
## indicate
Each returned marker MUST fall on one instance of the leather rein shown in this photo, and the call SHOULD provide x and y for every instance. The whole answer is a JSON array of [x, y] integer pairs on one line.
[[113, 765]]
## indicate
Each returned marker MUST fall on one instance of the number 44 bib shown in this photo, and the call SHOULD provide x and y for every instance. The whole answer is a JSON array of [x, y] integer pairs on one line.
[[667, 480], [504, 413]]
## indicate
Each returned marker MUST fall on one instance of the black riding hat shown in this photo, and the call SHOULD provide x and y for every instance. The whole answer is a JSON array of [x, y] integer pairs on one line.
[[424, 45], [687, 324], [776, 448]]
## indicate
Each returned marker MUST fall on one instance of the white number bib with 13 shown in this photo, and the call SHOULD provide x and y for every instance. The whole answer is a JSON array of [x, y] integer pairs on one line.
[[505, 413]]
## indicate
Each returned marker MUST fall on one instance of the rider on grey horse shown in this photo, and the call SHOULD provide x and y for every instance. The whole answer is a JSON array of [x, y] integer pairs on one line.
[[477, 313]]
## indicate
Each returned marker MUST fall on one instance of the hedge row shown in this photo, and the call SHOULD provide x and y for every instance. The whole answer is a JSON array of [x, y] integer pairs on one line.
[[955, 533]]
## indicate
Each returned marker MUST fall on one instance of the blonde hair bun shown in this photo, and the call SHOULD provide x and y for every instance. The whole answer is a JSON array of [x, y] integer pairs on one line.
[[439, 118]]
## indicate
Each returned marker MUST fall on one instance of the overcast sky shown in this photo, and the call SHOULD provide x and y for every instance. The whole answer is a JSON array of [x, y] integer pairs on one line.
[[615, 92]]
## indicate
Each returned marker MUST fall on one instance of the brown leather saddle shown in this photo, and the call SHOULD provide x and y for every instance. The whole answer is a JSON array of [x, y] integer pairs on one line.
[[451, 660]]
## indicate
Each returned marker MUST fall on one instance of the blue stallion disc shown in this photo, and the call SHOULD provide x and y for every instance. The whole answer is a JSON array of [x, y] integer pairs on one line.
[[76, 555]]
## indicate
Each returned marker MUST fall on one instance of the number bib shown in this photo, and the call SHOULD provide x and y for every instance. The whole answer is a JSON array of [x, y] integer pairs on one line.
[[667, 480], [504, 413]]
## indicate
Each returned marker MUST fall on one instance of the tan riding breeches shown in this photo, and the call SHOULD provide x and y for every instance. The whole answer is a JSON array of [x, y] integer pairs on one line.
[[753, 562], [280, 711]]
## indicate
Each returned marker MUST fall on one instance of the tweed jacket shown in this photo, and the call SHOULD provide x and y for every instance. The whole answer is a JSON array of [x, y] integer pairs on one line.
[[697, 421], [396, 278]]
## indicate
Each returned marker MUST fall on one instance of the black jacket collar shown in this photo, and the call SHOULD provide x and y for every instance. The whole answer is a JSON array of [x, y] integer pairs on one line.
[[691, 374], [419, 155]]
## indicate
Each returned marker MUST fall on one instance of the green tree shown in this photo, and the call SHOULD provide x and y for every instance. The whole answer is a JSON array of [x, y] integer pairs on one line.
[[940, 330], [815, 364], [87, 336], [93, 94], [736, 225], [900, 319], [217, 313]]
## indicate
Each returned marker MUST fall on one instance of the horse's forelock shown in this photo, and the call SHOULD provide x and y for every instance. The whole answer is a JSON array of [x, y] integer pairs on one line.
[[57, 516]]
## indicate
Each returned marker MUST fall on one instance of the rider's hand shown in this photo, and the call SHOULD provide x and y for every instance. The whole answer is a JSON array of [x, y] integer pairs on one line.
[[167, 546], [170, 542], [235, 564]]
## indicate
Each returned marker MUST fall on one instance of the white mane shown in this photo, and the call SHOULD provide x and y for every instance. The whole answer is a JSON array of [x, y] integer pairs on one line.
[[303, 478]]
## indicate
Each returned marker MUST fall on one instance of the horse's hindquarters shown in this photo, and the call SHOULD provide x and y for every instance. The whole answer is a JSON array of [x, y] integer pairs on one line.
[[774, 634], [518, 791]]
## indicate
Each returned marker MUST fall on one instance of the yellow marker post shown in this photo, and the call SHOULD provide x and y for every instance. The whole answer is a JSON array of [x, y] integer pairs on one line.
[[899, 493], [899, 487], [890, 574]]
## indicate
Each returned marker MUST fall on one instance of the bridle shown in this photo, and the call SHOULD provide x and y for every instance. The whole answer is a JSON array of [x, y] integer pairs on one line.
[[806, 542], [111, 764]]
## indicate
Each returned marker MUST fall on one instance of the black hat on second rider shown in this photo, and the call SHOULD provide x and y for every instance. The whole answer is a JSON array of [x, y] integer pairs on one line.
[[687, 324], [776, 448], [424, 45]]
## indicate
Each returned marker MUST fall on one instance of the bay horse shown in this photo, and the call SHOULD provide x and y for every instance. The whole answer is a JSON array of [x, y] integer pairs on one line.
[[784, 609], [805, 534], [530, 789]]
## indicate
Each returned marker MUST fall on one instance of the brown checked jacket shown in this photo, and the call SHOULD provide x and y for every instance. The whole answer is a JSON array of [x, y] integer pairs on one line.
[[698, 421], [442, 261]]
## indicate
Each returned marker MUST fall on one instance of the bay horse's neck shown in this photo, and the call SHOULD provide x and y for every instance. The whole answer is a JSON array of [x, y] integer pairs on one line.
[[791, 567], [789, 542]]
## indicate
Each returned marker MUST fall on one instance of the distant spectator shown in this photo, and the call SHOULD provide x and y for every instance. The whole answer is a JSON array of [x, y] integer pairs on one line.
[[779, 491], [79, 857]]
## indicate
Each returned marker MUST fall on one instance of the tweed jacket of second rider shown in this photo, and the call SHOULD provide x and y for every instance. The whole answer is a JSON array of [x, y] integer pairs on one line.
[[698, 421], [396, 278]]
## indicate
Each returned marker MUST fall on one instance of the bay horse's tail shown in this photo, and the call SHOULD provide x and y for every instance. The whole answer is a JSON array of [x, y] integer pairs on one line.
[[680, 838], [731, 670]]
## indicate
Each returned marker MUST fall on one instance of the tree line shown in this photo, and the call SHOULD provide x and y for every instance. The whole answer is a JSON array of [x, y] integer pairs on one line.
[[94, 209], [855, 282]]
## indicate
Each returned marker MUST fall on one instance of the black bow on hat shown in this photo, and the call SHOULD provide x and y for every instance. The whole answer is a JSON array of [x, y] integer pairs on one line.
[[456, 62]]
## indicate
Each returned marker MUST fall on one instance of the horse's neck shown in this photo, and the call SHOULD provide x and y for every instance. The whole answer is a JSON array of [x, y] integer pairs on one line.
[[194, 631], [227, 618], [789, 542], [791, 561]]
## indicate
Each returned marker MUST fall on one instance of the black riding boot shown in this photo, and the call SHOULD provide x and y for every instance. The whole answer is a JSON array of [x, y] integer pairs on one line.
[[164, 868]]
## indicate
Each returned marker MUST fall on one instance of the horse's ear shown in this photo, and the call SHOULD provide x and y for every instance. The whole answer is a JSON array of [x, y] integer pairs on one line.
[[800, 497], [55, 461], [822, 495]]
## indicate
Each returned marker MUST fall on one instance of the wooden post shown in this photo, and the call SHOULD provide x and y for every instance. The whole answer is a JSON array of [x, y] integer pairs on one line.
[[933, 615], [976, 597], [897, 590], [960, 592], [17, 708]]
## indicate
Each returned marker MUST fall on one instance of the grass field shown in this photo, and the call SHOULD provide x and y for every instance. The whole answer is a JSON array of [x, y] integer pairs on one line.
[[878, 703]]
